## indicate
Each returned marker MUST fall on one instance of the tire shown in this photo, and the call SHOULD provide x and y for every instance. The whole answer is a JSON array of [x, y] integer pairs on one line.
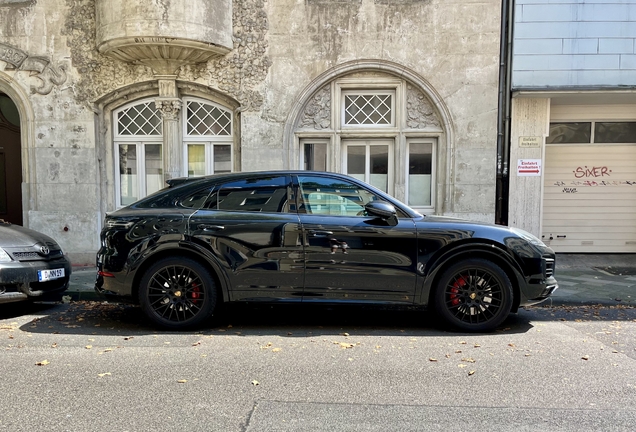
[[177, 294], [474, 295]]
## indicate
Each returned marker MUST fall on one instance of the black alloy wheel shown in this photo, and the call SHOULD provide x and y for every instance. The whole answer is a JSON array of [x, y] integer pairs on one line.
[[177, 293], [474, 295]]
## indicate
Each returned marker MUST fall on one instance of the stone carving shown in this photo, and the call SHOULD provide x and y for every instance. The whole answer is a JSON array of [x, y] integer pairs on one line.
[[98, 75], [40, 67], [240, 74], [317, 113], [169, 108], [420, 112]]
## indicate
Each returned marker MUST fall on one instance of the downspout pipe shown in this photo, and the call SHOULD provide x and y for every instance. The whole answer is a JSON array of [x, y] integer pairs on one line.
[[503, 118]]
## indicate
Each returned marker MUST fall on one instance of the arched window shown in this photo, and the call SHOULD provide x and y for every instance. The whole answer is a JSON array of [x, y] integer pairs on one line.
[[376, 127], [207, 136]]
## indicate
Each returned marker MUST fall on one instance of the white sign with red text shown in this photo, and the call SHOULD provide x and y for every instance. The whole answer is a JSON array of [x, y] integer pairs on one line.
[[529, 167]]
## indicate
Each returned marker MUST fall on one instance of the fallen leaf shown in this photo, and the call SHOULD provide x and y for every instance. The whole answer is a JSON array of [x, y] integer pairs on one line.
[[276, 349], [103, 374], [477, 345], [196, 343], [255, 383], [345, 334], [462, 342], [468, 359], [461, 366], [471, 373], [88, 346], [585, 357], [128, 337], [42, 363], [182, 381], [432, 359], [345, 345]]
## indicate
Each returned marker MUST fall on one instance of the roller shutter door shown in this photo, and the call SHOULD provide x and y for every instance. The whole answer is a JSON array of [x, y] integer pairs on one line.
[[589, 199]]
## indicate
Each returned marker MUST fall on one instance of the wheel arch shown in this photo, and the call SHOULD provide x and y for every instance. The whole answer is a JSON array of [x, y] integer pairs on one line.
[[178, 250], [487, 251]]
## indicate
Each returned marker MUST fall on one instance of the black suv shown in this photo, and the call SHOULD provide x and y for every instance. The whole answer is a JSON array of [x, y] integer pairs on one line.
[[308, 237]]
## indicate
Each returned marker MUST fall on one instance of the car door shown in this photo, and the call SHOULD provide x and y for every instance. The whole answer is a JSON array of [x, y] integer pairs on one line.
[[350, 256], [248, 226]]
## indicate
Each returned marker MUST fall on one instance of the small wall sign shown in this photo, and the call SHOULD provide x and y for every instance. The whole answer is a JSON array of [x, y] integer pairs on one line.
[[528, 167], [530, 141]]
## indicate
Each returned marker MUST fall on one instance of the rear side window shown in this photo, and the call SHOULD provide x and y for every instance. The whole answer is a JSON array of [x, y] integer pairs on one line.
[[262, 194], [189, 195]]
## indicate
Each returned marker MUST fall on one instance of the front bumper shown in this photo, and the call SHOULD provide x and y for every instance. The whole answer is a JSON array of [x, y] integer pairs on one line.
[[19, 280], [534, 293]]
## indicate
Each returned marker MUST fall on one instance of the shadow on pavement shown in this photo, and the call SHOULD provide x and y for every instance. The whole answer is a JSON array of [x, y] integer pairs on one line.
[[289, 320]]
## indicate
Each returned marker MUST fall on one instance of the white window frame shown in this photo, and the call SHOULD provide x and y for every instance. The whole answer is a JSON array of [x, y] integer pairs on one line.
[[367, 143], [388, 90], [209, 141], [430, 208], [141, 169], [303, 141]]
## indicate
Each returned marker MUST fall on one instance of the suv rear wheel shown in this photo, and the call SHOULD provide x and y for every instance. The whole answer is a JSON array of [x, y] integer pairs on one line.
[[177, 293]]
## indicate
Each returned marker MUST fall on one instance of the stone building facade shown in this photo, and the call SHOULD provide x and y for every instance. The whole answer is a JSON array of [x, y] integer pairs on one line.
[[101, 101]]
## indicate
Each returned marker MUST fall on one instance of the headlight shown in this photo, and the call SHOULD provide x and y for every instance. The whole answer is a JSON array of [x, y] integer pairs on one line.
[[528, 237], [4, 257]]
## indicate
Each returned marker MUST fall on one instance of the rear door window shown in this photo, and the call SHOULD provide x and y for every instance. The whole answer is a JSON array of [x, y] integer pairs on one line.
[[262, 194]]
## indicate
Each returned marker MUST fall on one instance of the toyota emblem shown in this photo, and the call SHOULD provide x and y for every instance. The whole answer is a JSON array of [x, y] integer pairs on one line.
[[44, 250]]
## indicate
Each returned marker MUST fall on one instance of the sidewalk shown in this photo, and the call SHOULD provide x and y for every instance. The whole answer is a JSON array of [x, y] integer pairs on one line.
[[584, 279]]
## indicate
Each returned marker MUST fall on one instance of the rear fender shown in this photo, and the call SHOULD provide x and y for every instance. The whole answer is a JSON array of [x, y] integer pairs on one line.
[[178, 248]]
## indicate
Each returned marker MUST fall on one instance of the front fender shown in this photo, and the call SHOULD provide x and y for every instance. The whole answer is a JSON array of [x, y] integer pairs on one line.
[[490, 251]]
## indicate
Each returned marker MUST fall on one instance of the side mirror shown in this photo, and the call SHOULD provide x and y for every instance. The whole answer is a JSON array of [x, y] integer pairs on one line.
[[382, 210]]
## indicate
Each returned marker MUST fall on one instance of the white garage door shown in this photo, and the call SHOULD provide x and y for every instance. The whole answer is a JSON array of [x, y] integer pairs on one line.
[[589, 201]]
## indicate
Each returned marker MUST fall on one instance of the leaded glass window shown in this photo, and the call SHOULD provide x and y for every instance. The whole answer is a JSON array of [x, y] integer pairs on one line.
[[140, 119], [207, 119], [368, 109]]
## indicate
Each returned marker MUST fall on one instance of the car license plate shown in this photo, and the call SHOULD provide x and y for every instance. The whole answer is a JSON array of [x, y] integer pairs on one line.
[[45, 275]]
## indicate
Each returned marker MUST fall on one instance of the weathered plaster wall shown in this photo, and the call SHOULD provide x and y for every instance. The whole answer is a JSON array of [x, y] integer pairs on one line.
[[61, 180], [452, 44], [279, 47]]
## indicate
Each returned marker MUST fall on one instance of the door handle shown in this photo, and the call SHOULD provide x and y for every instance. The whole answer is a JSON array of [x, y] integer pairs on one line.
[[206, 227], [319, 233]]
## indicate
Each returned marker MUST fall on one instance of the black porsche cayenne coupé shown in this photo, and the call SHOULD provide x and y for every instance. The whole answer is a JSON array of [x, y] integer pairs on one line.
[[308, 237]]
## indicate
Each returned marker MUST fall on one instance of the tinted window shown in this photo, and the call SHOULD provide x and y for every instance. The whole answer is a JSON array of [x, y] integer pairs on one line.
[[570, 133], [322, 195], [615, 132], [262, 194], [188, 196]]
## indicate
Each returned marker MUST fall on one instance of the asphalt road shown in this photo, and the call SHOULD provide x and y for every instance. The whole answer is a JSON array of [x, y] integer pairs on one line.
[[89, 366]]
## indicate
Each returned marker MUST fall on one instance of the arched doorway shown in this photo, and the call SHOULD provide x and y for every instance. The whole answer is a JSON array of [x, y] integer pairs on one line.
[[10, 162]]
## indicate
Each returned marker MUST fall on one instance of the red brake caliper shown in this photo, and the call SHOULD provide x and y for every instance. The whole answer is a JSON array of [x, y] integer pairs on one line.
[[455, 299], [196, 293]]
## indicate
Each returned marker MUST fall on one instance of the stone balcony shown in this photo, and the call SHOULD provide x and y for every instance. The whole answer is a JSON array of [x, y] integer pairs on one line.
[[162, 34]]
